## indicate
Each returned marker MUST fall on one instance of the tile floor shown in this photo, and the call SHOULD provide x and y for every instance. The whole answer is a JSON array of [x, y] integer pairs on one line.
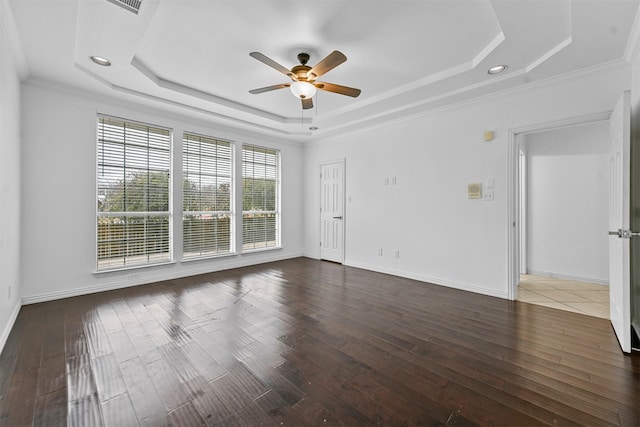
[[587, 298]]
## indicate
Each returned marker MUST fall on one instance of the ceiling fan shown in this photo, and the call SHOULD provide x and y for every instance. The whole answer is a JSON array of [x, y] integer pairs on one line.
[[304, 77]]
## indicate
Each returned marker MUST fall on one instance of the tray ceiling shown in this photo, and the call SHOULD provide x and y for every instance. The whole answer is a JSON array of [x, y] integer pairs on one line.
[[406, 56]]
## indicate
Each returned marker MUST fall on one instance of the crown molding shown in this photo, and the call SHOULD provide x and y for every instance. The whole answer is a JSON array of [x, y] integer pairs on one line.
[[632, 48], [560, 46], [406, 112], [422, 109], [236, 121], [229, 128], [206, 96]]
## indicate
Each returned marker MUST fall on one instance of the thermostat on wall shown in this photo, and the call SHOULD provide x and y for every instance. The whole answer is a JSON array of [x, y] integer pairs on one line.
[[474, 190]]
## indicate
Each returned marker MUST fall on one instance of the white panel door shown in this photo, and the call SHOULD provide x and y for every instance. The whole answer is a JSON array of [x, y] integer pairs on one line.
[[332, 211], [619, 195]]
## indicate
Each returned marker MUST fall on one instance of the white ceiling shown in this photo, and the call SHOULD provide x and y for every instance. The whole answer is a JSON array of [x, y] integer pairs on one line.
[[406, 56]]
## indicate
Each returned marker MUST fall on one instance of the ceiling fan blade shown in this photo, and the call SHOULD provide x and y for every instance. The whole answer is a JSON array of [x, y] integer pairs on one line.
[[342, 90], [269, 88], [273, 64], [307, 103], [332, 60]]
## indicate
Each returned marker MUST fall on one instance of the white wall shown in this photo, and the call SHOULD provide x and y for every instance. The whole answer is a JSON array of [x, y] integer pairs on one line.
[[442, 236], [59, 194], [9, 179], [568, 202]]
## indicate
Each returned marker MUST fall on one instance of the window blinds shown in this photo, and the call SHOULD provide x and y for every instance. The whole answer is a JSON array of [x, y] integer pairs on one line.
[[260, 198], [133, 210], [207, 198]]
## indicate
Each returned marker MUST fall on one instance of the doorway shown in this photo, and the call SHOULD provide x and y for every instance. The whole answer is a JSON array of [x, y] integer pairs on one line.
[[553, 201], [591, 299]]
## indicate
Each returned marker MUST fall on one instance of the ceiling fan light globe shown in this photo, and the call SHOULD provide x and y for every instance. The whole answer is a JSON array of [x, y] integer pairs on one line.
[[303, 90]]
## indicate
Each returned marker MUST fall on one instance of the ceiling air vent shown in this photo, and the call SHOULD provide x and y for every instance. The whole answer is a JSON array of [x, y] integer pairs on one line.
[[130, 5]]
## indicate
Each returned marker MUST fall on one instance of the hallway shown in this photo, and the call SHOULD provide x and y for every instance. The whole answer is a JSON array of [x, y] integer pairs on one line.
[[591, 299]]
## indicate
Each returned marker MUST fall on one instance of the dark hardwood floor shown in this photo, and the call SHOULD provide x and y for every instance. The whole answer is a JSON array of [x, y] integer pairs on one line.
[[306, 343]]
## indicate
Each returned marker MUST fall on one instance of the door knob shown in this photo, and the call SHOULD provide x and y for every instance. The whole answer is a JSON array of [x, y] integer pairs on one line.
[[624, 234], [337, 217]]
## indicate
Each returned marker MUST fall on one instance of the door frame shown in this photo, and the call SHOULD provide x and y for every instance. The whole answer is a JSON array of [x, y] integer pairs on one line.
[[344, 204], [513, 188]]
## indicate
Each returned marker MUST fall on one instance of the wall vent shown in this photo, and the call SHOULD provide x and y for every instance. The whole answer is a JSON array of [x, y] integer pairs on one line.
[[130, 5]]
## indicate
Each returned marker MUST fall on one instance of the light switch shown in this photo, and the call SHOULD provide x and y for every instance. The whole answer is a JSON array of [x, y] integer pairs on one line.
[[489, 182]]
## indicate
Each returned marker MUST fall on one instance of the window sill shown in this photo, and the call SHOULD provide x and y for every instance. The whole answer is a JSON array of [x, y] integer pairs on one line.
[[260, 250], [130, 268], [209, 257], [184, 261]]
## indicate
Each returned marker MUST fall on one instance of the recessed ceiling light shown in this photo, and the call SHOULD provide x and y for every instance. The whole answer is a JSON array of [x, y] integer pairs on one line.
[[497, 69], [101, 61], [313, 128]]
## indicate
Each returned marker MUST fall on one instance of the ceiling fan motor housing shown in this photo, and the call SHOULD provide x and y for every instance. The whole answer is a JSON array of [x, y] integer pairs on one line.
[[301, 72], [303, 58]]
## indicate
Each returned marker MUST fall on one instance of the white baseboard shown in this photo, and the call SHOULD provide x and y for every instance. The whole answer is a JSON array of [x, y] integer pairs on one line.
[[9, 325], [163, 274], [429, 279], [568, 277]]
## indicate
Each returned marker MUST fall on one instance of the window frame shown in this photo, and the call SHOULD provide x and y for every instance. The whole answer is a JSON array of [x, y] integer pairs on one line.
[[232, 191], [164, 257], [277, 212]]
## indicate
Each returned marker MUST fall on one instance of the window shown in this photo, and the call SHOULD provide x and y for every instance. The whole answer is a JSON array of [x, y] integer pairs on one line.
[[207, 218], [260, 198], [134, 188]]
